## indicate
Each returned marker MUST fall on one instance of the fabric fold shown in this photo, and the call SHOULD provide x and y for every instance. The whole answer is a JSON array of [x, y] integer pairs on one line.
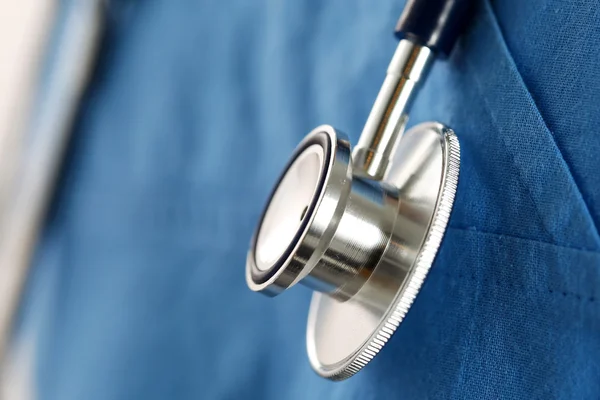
[[514, 179]]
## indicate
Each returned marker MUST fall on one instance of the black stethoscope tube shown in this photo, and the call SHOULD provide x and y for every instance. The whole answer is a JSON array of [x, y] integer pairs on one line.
[[436, 24]]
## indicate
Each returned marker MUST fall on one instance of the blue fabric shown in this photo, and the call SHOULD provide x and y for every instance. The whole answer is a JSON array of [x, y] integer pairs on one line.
[[138, 287]]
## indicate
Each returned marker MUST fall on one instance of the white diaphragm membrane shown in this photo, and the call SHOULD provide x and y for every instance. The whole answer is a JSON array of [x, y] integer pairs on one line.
[[289, 207]]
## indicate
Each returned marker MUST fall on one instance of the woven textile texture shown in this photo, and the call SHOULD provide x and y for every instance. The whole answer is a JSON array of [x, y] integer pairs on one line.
[[138, 290]]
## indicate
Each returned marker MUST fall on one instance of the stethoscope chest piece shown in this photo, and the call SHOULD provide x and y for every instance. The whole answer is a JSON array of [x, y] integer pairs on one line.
[[362, 227], [364, 246]]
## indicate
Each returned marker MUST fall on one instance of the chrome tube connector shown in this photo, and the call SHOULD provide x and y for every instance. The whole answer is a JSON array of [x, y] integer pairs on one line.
[[387, 120]]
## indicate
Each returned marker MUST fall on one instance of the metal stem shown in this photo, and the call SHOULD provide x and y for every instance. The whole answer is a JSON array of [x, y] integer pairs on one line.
[[386, 122]]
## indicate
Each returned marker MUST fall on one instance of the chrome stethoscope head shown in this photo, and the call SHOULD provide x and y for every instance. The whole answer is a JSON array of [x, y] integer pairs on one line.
[[362, 228]]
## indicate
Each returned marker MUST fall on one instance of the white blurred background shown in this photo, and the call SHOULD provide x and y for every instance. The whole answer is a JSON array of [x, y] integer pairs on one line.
[[24, 32]]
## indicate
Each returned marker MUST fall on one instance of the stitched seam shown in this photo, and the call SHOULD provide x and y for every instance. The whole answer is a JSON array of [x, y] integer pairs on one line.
[[501, 235], [500, 283]]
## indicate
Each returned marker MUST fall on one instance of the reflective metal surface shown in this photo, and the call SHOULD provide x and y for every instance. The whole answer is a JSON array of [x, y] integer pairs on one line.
[[289, 206], [327, 235], [342, 337], [389, 114], [319, 222]]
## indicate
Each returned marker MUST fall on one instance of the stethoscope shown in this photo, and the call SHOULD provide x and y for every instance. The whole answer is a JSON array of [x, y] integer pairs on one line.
[[362, 228]]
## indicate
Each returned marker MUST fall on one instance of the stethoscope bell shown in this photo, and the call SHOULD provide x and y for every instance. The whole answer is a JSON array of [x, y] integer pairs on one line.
[[363, 228]]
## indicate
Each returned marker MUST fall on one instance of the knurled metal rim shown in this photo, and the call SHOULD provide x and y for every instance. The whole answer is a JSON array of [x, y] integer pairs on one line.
[[422, 265]]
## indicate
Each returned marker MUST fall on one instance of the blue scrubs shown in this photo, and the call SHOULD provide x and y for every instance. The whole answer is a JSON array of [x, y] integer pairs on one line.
[[138, 290]]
